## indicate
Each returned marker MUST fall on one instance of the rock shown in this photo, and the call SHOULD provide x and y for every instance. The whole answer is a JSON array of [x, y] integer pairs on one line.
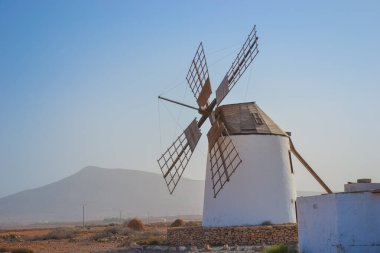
[[245, 235], [133, 245], [159, 248], [207, 247], [182, 248], [226, 247], [194, 248]]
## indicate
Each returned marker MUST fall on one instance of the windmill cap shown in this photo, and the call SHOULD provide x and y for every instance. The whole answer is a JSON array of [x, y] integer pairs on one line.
[[248, 118]]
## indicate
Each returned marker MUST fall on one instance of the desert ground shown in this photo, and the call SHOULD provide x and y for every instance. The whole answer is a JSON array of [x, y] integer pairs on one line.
[[132, 236], [94, 238]]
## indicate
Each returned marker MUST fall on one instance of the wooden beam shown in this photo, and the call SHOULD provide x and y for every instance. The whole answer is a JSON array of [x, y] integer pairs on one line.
[[196, 70], [308, 167], [223, 159], [176, 160], [178, 103]]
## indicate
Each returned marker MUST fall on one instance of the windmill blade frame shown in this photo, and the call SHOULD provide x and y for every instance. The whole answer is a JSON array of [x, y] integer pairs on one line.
[[224, 158], [223, 155], [198, 78], [174, 160], [308, 167], [242, 61]]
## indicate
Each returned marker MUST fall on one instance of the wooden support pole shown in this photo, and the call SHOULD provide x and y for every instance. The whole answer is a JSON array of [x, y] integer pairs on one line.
[[308, 167], [178, 103]]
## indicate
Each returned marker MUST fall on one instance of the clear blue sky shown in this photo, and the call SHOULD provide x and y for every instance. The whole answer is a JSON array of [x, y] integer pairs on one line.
[[79, 82]]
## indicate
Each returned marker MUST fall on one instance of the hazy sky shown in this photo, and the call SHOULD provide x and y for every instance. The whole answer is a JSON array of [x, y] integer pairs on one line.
[[79, 82]]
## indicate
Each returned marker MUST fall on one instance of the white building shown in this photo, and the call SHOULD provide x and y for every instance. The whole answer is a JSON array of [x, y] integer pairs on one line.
[[346, 222], [262, 187]]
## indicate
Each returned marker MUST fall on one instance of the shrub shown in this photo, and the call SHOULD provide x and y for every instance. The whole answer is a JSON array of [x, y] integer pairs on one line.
[[281, 249], [266, 223], [111, 232], [11, 238], [193, 224], [151, 238], [58, 234], [22, 250], [178, 223], [136, 224], [155, 240]]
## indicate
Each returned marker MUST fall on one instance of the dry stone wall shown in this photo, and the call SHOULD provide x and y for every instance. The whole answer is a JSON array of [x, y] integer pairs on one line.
[[250, 235]]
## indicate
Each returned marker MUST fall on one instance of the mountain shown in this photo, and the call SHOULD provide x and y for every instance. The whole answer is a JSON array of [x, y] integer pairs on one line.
[[105, 193]]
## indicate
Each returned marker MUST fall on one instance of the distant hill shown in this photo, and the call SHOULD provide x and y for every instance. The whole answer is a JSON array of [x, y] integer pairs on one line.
[[105, 193]]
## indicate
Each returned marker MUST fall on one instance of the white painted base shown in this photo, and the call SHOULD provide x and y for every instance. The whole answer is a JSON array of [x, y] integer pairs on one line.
[[261, 189], [337, 223]]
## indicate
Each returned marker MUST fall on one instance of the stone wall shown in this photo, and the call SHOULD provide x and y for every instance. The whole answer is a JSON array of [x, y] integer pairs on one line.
[[250, 235]]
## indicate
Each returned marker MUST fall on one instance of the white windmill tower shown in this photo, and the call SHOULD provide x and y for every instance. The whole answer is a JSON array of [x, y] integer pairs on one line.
[[246, 148]]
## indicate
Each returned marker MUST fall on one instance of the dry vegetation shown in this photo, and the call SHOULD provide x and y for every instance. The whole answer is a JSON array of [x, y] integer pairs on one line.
[[100, 238], [136, 225], [178, 223]]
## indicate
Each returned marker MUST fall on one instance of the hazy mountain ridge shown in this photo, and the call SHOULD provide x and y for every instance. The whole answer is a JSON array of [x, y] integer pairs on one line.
[[105, 192]]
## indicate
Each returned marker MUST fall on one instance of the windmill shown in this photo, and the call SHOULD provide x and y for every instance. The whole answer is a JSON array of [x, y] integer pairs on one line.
[[241, 138]]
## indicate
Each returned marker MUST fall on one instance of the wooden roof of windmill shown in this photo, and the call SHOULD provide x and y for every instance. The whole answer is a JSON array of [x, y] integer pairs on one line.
[[247, 118]]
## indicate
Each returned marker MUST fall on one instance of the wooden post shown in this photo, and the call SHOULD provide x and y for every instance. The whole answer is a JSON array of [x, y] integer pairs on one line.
[[308, 167]]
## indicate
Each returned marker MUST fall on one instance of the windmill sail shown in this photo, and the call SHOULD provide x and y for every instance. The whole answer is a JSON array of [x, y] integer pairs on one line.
[[198, 78], [238, 67], [224, 158], [175, 159]]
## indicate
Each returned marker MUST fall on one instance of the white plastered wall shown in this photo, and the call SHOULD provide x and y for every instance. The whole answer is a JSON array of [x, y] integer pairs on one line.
[[337, 223], [261, 189]]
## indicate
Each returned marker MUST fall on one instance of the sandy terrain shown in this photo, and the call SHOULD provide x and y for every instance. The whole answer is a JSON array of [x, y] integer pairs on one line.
[[76, 239], [114, 238]]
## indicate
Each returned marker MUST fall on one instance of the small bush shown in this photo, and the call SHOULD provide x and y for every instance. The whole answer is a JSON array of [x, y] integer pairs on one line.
[[193, 224], [155, 240], [281, 249], [58, 234], [111, 232], [136, 224], [266, 223], [11, 238], [22, 250], [178, 223], [151, 238]]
